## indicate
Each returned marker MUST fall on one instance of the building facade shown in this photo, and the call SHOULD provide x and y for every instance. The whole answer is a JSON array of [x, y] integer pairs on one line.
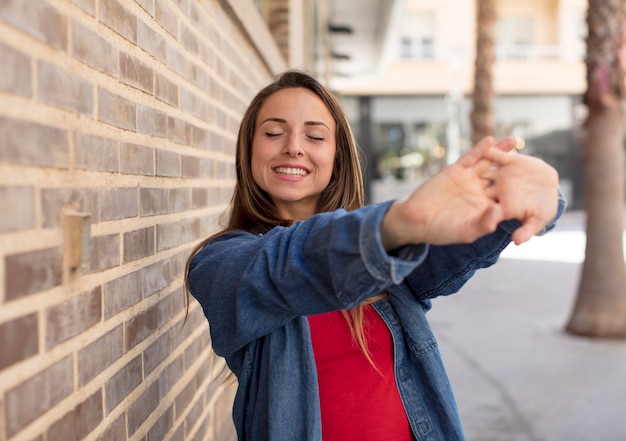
[[420, 95]]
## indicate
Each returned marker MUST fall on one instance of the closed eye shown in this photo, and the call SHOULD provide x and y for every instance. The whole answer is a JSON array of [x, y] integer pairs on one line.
[[272, 135], [316, 138]]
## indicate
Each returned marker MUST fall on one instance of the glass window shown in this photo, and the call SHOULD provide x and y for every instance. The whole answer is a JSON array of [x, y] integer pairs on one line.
[[417, 37], [515, 37]]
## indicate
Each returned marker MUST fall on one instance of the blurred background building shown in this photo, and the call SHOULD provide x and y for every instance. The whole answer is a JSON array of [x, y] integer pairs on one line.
[[410, 81]]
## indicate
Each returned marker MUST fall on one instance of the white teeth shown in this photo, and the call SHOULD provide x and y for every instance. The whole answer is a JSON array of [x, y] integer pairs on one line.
[[290, 171]]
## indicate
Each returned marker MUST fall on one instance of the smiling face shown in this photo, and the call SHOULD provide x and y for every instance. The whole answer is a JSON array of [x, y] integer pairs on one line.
[[293, 151]]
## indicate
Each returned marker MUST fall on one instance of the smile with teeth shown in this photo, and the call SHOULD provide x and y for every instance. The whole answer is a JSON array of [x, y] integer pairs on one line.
[[291, 171]]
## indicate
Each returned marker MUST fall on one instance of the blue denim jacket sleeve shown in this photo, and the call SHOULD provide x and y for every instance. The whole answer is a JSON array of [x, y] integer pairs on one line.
[[250, 285], [449, 267]]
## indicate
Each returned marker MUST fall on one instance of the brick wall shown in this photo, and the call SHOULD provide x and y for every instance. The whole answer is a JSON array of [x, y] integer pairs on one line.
[[278, 23], [120, 115]]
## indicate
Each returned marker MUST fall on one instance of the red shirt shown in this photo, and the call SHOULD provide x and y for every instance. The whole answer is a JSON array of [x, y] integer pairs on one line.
[[357, 402]]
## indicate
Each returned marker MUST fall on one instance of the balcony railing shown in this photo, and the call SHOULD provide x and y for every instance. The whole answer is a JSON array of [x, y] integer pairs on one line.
[[527, 52]]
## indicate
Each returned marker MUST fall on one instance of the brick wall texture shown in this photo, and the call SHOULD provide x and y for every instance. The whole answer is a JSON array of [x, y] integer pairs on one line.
[[122, 113]]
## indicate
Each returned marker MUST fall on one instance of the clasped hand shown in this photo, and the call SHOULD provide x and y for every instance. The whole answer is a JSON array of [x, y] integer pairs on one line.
[[468, 199]]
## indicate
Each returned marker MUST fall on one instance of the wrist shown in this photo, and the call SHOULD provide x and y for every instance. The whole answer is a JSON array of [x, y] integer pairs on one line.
[[399, 228]]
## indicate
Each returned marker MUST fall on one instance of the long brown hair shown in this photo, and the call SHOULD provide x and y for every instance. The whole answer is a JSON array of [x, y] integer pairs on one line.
[[251, 208]]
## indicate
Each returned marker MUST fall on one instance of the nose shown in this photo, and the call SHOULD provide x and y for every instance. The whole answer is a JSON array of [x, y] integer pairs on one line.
[[293, 148]]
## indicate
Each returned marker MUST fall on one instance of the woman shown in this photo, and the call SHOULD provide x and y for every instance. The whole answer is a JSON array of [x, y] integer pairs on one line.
[[318, 303]]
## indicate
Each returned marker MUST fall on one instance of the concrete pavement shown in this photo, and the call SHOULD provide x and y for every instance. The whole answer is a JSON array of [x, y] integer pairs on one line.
[[516, 374]]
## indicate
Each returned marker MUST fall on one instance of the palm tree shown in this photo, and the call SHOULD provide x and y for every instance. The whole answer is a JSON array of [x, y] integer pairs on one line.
[[481, 117], [600, 307]]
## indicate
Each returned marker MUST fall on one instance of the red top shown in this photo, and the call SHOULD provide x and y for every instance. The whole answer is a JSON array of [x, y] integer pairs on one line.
[[357, 402]]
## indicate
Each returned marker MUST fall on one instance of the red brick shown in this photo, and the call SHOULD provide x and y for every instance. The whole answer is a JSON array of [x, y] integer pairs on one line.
[[19, 340], [122, 383], [205, 370], [179, 261], [136, 73], [104, 253], [155, 277], [226, 146], [169, 306], [208, 225], [175, 233], [166, 17], [89, 6], [188, 39], [96, 153], [116, 110], [183, 5], [153, 201], [220, 118], [20, 204], [118, 203], [54, 200], [141, 326], [199, 198], [157, 352], [72, 317], [198, 16], [180, 199], [99, 355], [139, 244], [27, 401], [223, 170], [183, 328], [116, 431], [166, 90], [170, 376], [147, 5], [193, 351], [136, 159], [113, 14], [193, 104], [151, 122], [208, 167], [167, 164], [184, 398], [143, 407], [199, 138], [62, 88], [121, 293], [179, 434], [151, 42], [178, 130], [16, 76], [33, 144], [177, 61], [80, 421], [32, 272], [162, 425], [201, 78], [190, 167], [193, 417], [36, 18], [94, 50]]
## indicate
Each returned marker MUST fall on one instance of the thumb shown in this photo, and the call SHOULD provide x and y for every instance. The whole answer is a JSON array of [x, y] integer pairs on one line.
[[491, 218], [528, 229]]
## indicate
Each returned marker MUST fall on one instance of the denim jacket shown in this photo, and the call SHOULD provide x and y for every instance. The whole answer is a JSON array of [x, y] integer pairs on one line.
[[257, 291]]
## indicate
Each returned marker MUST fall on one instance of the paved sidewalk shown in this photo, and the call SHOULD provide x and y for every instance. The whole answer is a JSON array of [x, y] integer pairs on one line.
[[516, 374]]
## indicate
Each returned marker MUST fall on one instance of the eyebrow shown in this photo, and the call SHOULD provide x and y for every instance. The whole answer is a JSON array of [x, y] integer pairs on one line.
[[284, 121]]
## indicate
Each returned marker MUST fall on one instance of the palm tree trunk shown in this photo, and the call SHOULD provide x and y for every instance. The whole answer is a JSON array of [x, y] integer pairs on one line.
[[600, 307], [481, 117]]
